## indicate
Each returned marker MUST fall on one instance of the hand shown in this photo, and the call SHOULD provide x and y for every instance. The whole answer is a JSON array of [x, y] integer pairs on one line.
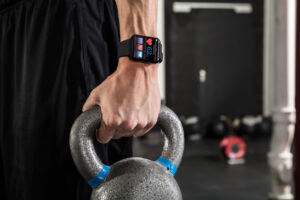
[[129, 100]]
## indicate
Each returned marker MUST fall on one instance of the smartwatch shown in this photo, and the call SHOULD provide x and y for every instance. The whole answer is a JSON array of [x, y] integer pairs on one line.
[[142, 49]]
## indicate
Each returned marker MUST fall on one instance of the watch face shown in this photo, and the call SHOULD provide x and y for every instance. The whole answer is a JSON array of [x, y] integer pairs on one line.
[[145, 48]]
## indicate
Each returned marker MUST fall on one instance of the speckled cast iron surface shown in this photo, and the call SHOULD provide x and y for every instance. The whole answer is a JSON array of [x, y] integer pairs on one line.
[[132, 178]]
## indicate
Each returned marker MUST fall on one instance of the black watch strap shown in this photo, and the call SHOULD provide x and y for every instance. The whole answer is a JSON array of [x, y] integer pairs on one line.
[[160, 51], [125, 48]]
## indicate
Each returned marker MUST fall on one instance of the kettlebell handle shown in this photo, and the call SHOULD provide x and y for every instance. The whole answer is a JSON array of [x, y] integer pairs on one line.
[[89, 164]]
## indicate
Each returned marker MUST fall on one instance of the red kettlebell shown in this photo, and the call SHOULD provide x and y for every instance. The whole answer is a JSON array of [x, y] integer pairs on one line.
[[233, 147]]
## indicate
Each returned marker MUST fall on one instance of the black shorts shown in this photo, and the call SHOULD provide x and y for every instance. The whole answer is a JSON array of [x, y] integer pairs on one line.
[[52, 54]]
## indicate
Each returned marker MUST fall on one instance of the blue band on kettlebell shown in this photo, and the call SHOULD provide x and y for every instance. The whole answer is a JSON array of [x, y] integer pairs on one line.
[[100, 177], [168, 164]]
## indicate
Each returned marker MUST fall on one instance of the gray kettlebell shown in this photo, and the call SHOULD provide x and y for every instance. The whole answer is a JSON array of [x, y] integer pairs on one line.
[[131, 178]]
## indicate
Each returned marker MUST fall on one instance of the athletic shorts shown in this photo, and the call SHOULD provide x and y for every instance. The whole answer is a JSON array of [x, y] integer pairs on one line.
[[52, 54]]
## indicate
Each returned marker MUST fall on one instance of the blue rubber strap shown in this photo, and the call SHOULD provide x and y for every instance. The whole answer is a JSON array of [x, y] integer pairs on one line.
[[100, 177], [168, 164]]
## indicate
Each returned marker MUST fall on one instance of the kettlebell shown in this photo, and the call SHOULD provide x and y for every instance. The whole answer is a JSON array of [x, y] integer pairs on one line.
[[132, 178]]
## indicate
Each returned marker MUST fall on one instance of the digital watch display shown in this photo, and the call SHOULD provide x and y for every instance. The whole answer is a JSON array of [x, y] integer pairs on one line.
[[142, 48]]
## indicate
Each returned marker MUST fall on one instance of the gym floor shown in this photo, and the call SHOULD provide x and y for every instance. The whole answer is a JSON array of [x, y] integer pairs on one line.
[[204, 174]]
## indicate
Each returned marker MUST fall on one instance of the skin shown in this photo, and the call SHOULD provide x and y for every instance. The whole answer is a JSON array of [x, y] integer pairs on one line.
[[130, 97]]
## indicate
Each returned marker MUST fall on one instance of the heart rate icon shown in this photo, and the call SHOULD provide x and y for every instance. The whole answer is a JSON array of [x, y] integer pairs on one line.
[[149, 41]]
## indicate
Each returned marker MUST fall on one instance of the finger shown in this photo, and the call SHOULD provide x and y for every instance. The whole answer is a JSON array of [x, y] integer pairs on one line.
[[119, 134], [90, 102], [105, 134], [140, 132], [136, 132], [109, 127], [146, 129], [126, 128], [127, 134], [150, 125], [140, 128]]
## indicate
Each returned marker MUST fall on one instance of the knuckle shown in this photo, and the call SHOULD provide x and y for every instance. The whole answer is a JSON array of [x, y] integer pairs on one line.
[[152, 123], [93, 93], [114, 122], [109, 124], [128, 125], [141, 124]]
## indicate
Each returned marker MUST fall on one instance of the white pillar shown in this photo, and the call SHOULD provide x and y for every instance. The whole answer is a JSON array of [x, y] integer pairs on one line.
[[280, 156], [161, 36]]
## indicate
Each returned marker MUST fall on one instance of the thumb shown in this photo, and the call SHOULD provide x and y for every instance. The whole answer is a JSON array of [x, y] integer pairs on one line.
[[90, 102]]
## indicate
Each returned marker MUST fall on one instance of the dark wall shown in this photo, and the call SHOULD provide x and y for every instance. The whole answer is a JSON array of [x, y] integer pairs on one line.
[[229, 47]]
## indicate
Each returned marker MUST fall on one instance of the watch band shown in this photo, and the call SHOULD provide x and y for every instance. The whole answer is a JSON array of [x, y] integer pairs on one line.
[[125, 47], [161, 55]]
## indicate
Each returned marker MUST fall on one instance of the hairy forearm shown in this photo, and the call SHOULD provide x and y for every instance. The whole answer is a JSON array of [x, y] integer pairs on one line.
[[137, 17]]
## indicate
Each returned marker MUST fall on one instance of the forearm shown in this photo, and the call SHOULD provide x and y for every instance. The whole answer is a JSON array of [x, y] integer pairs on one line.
[[137, 17]]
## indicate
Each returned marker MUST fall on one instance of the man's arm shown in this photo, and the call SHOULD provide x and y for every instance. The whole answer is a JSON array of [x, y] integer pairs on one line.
[[129, 98], [137, 17]]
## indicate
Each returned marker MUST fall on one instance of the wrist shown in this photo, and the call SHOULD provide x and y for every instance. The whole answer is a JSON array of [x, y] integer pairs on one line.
[[129, 66], [128, 35]]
